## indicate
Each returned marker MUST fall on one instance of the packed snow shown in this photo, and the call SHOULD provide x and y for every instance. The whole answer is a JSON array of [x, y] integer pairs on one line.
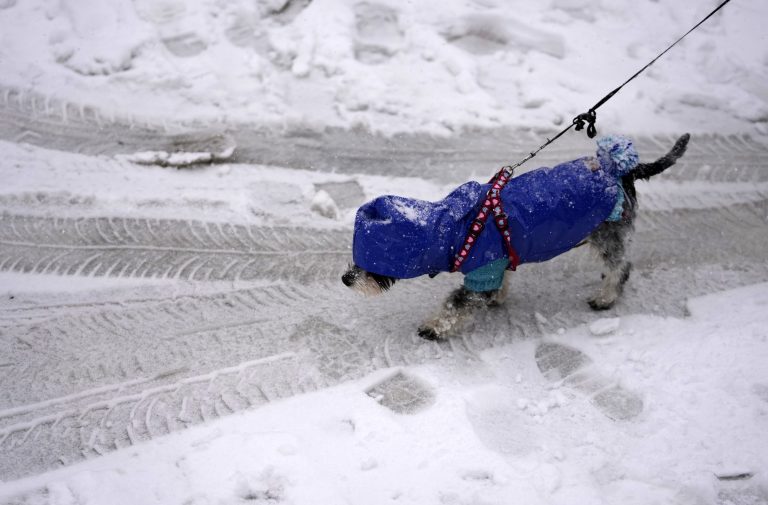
[[496, 431], [649, 408], [436, 66]]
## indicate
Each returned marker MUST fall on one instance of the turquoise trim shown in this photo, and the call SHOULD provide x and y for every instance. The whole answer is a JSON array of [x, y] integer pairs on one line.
[[488, 277], [618, 209]]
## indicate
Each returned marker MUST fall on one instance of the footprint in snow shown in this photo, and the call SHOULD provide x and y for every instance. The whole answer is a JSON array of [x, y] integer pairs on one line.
[[379, 35], [403, 394], [347, 194], [176, 25], [483, 34], [559, 362]]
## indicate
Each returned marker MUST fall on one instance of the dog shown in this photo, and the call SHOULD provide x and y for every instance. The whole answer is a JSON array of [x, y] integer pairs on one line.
[[538, 215]]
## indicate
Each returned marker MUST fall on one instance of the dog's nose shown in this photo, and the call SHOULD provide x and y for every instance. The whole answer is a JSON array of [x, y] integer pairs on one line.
[[348, 279]]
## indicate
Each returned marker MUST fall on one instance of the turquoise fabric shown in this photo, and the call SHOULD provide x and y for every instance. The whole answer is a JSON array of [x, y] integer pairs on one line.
[[488, 277], [618, 209]]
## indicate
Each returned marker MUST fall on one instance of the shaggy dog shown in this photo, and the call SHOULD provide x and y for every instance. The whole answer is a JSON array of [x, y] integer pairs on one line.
[[537, 216]]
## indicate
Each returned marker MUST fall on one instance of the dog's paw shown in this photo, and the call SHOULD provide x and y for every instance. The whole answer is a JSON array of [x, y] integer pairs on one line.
[[612, 287], [599, 304], [429, 333], [495, 298]]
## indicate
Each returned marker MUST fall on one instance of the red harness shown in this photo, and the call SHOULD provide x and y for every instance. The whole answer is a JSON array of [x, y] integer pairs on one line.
[[492, 203]]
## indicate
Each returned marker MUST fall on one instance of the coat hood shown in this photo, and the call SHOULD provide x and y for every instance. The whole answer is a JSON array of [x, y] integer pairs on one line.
[[403, 237]]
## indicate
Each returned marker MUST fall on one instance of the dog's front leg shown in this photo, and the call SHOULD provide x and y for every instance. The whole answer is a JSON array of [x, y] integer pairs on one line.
[[455, 312], [459, 308]]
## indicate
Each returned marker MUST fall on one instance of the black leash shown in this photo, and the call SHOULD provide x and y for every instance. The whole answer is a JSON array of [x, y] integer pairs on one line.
[[590, 116]]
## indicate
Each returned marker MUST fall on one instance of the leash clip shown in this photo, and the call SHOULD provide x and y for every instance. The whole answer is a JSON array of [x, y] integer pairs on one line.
[[588, 117]]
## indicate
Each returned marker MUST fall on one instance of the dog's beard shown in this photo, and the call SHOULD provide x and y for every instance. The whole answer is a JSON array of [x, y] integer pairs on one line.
[[366, 283]]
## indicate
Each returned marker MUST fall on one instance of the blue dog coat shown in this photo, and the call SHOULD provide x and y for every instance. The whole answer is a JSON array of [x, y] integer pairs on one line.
[[550, 211]]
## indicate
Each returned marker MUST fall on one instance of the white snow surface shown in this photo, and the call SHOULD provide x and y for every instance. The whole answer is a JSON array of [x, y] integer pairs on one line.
[[496, 433], [604, 326], [434, 65], [497, 428]]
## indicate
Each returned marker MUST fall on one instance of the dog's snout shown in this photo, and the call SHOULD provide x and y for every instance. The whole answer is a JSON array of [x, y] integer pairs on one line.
[[348, 278]]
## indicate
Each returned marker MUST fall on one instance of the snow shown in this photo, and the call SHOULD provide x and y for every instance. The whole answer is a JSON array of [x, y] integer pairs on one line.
[[661, 409], [323, 204], [497, 428], [435, 66], [604, 326], [163, 158], [414, 211]]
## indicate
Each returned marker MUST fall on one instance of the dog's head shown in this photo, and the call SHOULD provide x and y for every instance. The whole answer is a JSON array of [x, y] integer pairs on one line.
[[391, 237], [366, 283], [403, 238]]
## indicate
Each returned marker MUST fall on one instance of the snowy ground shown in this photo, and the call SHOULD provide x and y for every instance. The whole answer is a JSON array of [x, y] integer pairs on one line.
[[432, 65], [139, 301], [180, 335], [487, 428]]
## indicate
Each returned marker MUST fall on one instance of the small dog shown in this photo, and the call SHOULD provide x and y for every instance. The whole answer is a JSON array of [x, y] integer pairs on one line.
[[539, 215]]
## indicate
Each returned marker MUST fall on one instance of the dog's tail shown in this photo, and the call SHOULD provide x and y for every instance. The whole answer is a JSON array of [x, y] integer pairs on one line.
[[648, 170]]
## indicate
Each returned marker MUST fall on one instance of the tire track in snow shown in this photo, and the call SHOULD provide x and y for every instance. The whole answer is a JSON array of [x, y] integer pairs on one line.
[[727, 236], [329, 336], [139, 399], [194, 250], [111, 376], [46, 121], [113, 381], [164, 248]]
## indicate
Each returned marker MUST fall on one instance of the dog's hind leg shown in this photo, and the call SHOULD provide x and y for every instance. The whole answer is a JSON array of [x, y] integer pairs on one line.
[[610, 240]]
